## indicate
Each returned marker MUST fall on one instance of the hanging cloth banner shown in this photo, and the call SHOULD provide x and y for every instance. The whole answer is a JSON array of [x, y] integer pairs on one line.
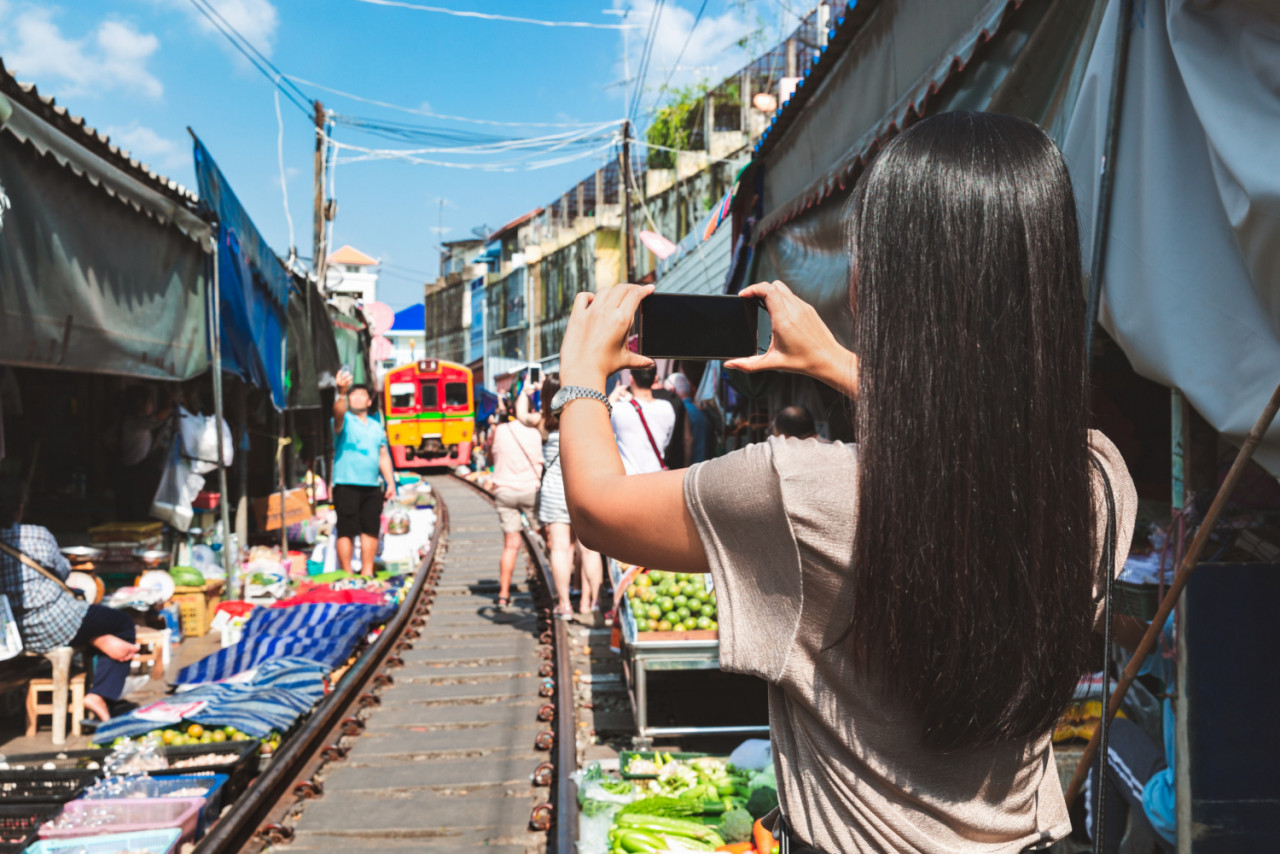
[[253, 283]]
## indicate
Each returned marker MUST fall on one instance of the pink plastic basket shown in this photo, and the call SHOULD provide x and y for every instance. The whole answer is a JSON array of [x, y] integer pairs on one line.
[[129, 815]]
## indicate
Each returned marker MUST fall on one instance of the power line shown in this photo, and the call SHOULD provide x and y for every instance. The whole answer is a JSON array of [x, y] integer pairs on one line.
[[255, 57], [649, 42], [490, 17], [687, 39], [434, 115]]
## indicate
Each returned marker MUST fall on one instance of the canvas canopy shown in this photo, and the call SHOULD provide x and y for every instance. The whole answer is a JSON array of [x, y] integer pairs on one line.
[[252, 283], [1191, 290], [101, 271]]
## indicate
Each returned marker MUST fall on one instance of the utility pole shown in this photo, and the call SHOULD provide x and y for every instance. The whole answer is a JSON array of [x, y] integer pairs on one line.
[[625, 197], [317, 236]]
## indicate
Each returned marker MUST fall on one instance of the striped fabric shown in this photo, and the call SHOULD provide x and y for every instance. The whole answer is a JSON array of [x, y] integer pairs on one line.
[[279, 692], [325, 633]]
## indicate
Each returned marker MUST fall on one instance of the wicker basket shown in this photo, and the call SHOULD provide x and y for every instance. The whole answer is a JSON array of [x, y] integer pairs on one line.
[[197, 605]]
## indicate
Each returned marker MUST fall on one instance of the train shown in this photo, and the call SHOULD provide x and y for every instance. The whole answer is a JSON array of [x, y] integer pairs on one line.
[[429, 409]]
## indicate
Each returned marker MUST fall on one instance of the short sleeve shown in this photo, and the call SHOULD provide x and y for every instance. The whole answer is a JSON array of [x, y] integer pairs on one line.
[[736, 504], [1125, 496]]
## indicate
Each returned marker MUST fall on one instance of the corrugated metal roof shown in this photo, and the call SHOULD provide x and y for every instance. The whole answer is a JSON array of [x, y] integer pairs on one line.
[[703, 269]]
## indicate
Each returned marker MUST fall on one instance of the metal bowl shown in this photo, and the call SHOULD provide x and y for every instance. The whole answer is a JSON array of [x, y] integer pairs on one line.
[[81, 554], [152, 556]]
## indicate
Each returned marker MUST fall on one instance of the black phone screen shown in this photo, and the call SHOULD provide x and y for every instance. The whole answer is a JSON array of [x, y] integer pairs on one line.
[[688, 326]]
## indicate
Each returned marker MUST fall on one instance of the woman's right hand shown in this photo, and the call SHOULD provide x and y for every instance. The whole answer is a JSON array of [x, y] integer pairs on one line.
[[802, 343]]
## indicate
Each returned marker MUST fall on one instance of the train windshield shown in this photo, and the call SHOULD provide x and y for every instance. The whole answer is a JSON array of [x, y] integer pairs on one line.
[[402, 395], [430, 395], [455, 394]]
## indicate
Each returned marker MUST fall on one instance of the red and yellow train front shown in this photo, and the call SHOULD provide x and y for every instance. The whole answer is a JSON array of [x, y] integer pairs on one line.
[[430, 414]]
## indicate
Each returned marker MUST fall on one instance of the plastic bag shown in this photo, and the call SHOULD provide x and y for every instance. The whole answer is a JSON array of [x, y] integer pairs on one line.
[[10, 640], [754, 754], [178, 488], [200, 441], [599, 799]]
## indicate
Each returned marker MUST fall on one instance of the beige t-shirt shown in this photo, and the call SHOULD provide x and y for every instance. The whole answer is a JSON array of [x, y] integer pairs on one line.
[[777, 522]]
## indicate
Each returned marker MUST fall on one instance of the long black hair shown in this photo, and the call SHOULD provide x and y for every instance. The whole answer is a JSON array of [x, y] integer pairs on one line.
[[973, 567]]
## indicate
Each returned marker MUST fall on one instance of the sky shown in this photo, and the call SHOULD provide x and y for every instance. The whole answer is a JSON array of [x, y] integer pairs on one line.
[[144, 71]]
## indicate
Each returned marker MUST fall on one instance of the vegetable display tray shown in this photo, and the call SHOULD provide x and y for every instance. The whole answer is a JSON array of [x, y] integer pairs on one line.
[[20, 823], [130, 815], [150, 841]]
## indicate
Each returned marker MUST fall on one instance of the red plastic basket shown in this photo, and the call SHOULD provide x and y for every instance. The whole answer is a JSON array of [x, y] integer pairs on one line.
[[128, 815]]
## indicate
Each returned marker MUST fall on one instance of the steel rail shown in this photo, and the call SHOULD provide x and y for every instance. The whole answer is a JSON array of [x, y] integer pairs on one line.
[[297, 759], [565, 791]]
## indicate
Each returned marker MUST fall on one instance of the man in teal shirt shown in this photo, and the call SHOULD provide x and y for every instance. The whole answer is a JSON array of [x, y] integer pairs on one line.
[[362, 475]]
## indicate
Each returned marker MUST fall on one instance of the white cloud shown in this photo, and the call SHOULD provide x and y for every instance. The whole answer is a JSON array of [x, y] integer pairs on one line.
[[256, 20], [113, 55], [151, 148], [711, 55]]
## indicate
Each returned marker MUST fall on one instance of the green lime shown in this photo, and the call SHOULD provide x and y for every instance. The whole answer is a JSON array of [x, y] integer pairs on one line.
[[703, 623], [664, 626]]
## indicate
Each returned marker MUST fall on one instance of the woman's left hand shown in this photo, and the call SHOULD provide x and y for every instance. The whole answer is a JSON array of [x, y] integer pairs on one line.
[[595, 340]]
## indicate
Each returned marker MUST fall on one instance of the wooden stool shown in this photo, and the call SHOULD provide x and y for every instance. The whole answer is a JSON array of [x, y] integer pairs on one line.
[[154, 643], [36, 687]]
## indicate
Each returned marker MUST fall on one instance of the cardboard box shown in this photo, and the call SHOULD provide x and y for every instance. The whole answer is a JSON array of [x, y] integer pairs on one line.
[[296, 509]]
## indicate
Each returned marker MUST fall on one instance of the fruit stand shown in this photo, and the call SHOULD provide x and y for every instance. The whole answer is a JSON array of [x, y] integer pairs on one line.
[[658, 643]]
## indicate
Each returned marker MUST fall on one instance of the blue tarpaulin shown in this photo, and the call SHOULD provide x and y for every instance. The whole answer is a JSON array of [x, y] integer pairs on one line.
[[324, 633], [279, 692], [253, 284]]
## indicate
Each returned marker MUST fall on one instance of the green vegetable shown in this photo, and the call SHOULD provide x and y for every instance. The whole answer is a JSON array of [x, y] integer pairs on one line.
[[187, 576], [674, 807], [763, 801], [735, 825], [673, 826], [640, 840]]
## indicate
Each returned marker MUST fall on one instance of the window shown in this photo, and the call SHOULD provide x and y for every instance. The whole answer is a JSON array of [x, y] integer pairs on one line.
[[430, 395], [401, 395], [455, 394]]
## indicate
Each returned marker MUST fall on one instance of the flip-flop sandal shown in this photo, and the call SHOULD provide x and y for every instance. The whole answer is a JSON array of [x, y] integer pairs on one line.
[[503, 601]]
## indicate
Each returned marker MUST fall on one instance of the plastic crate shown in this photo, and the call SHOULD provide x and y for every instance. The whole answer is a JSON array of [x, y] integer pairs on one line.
[[625, 757], [151, 841], [196, 607], [131, 815], [239, 772], [27, 786], [162, 787], [20, 824]]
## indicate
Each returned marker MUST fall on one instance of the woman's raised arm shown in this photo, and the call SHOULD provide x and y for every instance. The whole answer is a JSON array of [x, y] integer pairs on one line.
[[641, 519]]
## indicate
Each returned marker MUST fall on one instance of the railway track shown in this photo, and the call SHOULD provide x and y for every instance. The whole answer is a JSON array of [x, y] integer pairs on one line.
[[455, 729]]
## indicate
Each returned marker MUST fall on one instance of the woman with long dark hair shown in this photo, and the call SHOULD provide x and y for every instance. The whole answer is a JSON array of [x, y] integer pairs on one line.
[[920, 602]]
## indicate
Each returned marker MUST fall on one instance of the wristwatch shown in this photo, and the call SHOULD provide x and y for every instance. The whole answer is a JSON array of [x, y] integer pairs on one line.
[[573, 392]]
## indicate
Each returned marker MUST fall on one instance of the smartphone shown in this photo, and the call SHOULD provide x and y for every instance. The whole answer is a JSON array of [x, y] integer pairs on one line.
[[693, 326]]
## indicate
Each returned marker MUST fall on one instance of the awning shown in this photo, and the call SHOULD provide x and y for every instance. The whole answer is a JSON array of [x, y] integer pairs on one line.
[[312, 351], [907, 58], [253, 284], [351, 337], [703, 268], [101, 272], [1191, 289]]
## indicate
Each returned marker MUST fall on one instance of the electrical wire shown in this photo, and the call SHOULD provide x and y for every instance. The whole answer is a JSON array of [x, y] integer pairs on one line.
[[687, 39], [409, 156], [284, 184], [710, 159], [458, 13], [646, 53], [435, 115], [255, 57]]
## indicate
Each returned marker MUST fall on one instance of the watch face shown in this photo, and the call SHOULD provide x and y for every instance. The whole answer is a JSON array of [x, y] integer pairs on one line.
[[561, 398]]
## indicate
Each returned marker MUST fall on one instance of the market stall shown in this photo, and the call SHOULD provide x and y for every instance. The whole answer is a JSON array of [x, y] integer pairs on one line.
[[666, 622]]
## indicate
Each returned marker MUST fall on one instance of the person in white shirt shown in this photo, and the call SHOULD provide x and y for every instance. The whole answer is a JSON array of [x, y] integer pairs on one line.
[[642, 424]]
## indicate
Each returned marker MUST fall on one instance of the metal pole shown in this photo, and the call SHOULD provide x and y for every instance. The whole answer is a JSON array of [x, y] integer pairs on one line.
[[228, 564], [624, 195], [281, 444], [1102, 218]]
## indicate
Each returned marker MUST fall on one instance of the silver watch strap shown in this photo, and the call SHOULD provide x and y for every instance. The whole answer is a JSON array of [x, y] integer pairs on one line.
[[575, 392]]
